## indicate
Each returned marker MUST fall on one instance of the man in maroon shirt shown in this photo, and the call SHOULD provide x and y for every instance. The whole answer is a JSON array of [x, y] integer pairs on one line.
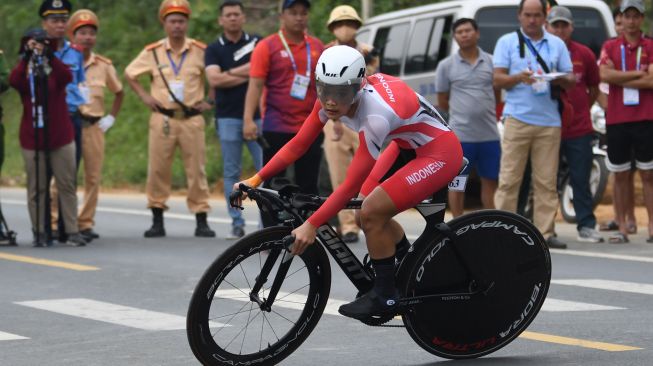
[[627, 65], [576, 143], [52, 133]]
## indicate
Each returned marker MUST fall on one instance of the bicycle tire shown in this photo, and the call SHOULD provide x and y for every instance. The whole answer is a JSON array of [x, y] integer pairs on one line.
[[212, 293], [500, 248]]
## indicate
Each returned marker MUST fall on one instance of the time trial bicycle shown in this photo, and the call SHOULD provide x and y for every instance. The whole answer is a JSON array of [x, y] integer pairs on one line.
[[468, 287]]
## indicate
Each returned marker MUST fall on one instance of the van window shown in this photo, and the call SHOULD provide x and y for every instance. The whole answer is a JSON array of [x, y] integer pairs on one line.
[[493, 22], [390, 42], [429, 45], [363, 36]]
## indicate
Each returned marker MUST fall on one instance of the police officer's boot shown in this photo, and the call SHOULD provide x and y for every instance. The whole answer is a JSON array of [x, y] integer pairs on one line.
[[203, 230], [157, 230]]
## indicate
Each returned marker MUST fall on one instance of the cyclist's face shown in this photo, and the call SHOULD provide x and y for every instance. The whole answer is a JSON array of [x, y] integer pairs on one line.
[[336, 100]]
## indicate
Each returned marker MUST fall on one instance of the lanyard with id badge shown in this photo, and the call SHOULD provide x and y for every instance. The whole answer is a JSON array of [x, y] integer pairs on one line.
[[631, 95], [540, 87], [301, 82], [177, 86]]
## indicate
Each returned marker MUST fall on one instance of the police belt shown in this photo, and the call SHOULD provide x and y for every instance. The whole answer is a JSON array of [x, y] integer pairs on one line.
[[179, 113], [89, 119]]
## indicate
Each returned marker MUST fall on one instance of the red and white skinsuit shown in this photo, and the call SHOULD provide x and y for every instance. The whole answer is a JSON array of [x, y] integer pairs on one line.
[[388, 111]]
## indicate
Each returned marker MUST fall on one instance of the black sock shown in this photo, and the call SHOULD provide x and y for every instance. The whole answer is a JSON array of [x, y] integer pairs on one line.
[[402, 247], [384, 284]]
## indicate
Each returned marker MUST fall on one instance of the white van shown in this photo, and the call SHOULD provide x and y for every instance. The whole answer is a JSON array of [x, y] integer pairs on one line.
[[413, 41]]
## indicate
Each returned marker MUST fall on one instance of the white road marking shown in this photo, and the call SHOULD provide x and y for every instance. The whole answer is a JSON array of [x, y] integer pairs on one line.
[[10, 337], [112, 313], [555, 305], [128, 211], [622, 257], [283, 299], [632, 287]]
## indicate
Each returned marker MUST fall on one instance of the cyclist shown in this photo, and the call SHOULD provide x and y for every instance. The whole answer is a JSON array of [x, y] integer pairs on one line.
[[382, 109]]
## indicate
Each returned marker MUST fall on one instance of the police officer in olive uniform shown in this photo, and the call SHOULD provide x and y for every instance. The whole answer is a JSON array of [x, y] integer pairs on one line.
[[99, 72], [176, 98]]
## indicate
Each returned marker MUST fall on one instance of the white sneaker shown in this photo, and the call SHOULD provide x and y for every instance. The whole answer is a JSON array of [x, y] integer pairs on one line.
[[589, 235]]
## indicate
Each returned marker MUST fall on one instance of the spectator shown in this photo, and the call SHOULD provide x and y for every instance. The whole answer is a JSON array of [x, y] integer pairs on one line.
[[532, 117], [627, 65], [99, 73], [176, 66], [227, 70], [46, 134], [463, 84], [631, 220], [284, 63], [340, 143], [576, 143]]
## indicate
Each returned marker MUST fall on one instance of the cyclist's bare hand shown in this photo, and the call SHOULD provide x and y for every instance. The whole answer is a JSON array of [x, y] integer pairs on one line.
[[304, 236]]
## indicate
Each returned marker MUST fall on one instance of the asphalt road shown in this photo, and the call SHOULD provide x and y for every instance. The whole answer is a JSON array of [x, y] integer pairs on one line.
[[122, 300]]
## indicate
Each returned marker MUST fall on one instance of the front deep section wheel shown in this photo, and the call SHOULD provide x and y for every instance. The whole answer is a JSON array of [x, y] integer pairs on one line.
[[511, 267], [228, 322]]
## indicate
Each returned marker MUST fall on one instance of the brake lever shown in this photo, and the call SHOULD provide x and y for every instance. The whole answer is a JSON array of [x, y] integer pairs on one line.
[[287, 244]]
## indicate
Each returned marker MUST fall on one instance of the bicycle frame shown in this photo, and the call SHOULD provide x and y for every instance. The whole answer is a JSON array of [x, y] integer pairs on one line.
[[302, 205]]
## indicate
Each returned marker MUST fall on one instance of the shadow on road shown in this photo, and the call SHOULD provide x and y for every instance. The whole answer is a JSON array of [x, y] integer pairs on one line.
[[490, 361]]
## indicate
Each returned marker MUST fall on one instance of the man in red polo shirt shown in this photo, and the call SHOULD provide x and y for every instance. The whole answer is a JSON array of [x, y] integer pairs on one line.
[[576, 143], [284, 63], [627, 65]]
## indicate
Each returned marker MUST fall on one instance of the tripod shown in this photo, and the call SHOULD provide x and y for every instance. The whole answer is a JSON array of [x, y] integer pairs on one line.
[[7, 236], [38, 72]]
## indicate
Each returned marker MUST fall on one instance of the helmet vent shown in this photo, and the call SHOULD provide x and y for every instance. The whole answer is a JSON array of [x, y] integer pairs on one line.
[[323, 68], [342, 72]]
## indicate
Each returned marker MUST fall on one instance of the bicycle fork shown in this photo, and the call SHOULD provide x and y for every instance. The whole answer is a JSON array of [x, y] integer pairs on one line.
[[266, 303]]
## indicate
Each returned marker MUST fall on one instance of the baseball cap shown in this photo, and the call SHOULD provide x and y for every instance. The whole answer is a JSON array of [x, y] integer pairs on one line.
[[285, 4], [559, 14], [627, 4]]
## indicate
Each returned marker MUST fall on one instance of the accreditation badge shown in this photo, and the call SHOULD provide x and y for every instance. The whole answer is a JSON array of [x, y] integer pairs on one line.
[[540, 87], [177, 88], [299, 86], [631, 96]]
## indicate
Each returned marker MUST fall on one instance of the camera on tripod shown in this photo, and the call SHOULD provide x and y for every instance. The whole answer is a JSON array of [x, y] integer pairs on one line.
[[40, 37]]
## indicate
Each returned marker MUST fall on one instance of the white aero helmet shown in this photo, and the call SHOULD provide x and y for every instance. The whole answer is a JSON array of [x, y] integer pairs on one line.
[[340, 74]]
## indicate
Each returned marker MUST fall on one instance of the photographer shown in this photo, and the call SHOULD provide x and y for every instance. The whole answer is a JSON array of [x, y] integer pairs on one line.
[[46, 133]]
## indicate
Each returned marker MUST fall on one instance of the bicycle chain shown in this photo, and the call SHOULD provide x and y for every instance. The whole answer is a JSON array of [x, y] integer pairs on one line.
[[381, 322]]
